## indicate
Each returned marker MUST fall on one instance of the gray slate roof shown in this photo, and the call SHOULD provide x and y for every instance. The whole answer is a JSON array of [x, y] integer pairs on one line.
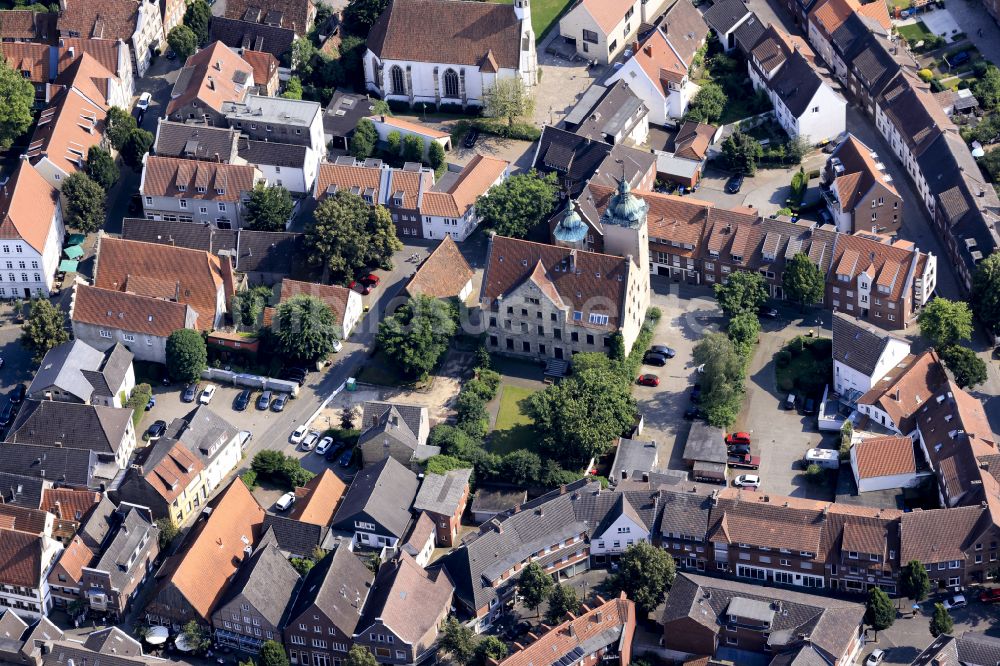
[[95, 529], [273, 154], [344, 111], [705, 443], [607, 113], [400, 421], [65, 652], [113, 641], [748, 34], [796, 83], [277, 110], [685, 513], [71, 425], [82, 371], [441, 493], [190, 235], [338, 586], [134, 524], [203, 432], [857, 344], [269, 252], [235, 33], [294, 536], [268, 582], [384, 491], [65, 466], [195, 141], [725, 14], [631, 456]]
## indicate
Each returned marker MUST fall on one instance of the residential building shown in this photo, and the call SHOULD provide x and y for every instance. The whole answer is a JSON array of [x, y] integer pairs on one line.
[[462, 50], [285, 165], [443, 498], [862, 355], [322, 623], [386, 125], [31, 234], [421, 540], [377, 505], [488, 503], [633, 458], [257, 601], [404, 611], [295, 538], [601, 31], [76, 372], [25, 481], [345, 304], [25, 562], [970, 648], [704, 615], [239, 34], [834, 26], [32, 61], [211, 77], [883, 463], [195, 141], [23, 645], [193, 581], [265, 71], [138, 23], [316, 502], [396, 431], [553, 301], [277, 119], [683, 161], [599, 635], [107, 431], [724, 18], [295, 15], [342, 116], [197, 191], [25, 25], [610, 113], [894, 401], [658, 71], [854, 176], [577, 160], [113, 641], [957, 545], [172, 14], [113, 55], [705, 453], [449, 209], [444, 274]]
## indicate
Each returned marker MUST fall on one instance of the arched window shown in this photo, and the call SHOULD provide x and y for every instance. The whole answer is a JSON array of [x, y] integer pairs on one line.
[[398, 86], [450, 83]]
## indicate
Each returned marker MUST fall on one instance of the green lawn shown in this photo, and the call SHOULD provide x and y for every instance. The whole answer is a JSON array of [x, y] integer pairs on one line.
[[544, 14], [915, 32], [380, 371], [513, 427], [900, 4]]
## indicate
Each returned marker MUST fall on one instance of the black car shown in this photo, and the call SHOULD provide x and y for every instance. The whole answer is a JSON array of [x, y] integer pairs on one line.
[[156, 430], [471, 137], [17, 395], [264, 401], [242, 400], [696, 393], [189, 393], [694, 413], [767, 311], [662, 350], [738, 448], [345, 459], [335, 452], [734, 184], [652, 358], [279, 403]]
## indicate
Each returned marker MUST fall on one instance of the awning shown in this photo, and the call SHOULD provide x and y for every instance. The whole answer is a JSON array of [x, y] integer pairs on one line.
[[73, 251], [76, 239], [68, 266], [181, 643], [157, 635]]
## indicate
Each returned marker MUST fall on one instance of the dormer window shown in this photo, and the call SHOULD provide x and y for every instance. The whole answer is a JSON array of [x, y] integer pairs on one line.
[[220, 190], [201, 190], [182, 188]]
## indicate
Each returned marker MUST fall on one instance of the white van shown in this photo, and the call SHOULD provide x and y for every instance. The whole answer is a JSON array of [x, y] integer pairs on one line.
[[826, 458]]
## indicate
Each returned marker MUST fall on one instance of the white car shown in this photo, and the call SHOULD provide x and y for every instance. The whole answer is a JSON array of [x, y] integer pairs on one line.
[[957, 601], [875, 658], [207, 394], [337, 346], [144, 100], [298, 434], [324, 445], [747, 481], [285, 501], [310, 441]]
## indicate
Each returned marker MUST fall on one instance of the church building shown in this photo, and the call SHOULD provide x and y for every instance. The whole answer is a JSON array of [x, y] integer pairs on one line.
[[449, 52]]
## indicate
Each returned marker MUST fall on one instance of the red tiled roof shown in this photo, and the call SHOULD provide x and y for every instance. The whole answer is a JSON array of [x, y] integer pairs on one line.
[[27, 57], [333, 295], [318, 500], [72, 561], [265, 66], [900, 394], [108, 19], [164, 176], [104, 51], [443, 274], [69, 503], [174, 472], [215, 75], [347, 177], [128, 312], [20, 558], [290, 14], [476, 179], [66, 131], [885, 456], [856, 254], [660, 62], [27, 206]]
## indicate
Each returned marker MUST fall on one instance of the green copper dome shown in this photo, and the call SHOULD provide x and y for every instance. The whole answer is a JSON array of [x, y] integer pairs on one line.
[[571, 228], [625, 209]]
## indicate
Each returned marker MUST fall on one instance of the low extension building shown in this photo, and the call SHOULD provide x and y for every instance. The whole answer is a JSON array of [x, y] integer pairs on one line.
[[443, 498]]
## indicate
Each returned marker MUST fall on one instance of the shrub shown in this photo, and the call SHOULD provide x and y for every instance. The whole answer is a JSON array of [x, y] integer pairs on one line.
[[450, 107], [520, 131], [785, 385], [249, 478], [654, 313], [783, 358], [397, 105], [814, 474], [925, 75]]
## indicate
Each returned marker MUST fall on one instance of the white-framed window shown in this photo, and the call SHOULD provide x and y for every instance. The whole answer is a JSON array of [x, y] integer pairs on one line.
[[105, 334], [222, 207], [128, 337], [183, 203], [600, 319]]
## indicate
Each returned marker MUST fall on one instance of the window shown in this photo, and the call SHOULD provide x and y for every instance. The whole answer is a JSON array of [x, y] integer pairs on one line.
[[222, 207], [613, 46], [105, 334], [396, 77], [599, 319], [590, 36], [450, 83], [628, 14], [577, 315], [128, 337]]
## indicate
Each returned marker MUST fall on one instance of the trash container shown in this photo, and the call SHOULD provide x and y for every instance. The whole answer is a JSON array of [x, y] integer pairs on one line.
[[352, 384]]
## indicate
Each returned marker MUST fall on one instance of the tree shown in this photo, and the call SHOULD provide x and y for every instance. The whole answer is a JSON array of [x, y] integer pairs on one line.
[[359, 15], [187, 356], [269, 208], [914, 582], [168, 532], [721, 378], [304, 328], [413, 148], [968, 368], [708, 104], [879, 611], [417, 334], [293, 89], [741, 152], [347, 418], [394, 143], [744, 330], [744, 292], [118, 125], [197, 637], [945, 323], [562, 601], [183, 41], [534, 586], [582, 416], [364, 139], [508, 99], [941, 622], [136, 145], [302, 564], [84, 203], [44, 329], [435, 155], [986, 291], [197, 17], [101, 167], [359, 655], [522, 467], [248, 304], [518, 204], [803, 281], [457, 640], [987, 88], [346, 236], [272, 653], [489, 647], [18, 95], [645, 573]]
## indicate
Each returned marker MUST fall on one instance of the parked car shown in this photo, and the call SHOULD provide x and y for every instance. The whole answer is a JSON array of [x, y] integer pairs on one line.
[[324, 445], [790, 401], [345, 459], [242, 400], [297, 375], [310, 440], [743, 461], [17, 395], [696, 393], [875, 658], [337, 346], [264, 401], [245, 437], [371, 280], [335, 452], [279, 403], [767, 311], [652, 358], [189, 393], [285, 502], [156, 430], [990, 596], [207, 394], [471, 137], [747, 481], [663, 350], [143, 103], [734, 183], [741, 449], [171, 55], [957, 601], [648, 380], [738, 438], [360, 287], [810, 406], [7, 413], [298, 434], [692, 413]]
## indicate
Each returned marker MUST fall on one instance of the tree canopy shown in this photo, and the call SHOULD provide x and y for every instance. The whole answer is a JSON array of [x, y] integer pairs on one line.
[[945, 323], [187, 356], [359, 15], [183, 41], [101, 167], [508, 99], [740, 152], [272, 653], [137, 144], [987, 88], [44, 329], [197, 17], [248, 304], [304, 328], [364, 139], [721, 380], [84, 203], [293, 89], [269, 209], [118, 125], [743, 292], [914, 582], [879, 611], [18, 95], [518, 204], [986, 291], [941, 622], [457, 640], [347, 236], [534, 586], [968, 368], [489, 647], [417, 334], [645, 573], [803, 281], [413, 148], [708, 104], [562, 601]]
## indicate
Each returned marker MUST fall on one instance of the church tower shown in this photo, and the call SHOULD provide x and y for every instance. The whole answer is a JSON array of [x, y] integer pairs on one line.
[[626, 234], [571, 230], [528, 59]]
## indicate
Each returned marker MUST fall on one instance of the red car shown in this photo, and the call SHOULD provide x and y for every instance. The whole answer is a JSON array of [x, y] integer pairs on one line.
[[648, 380], [738, 438], [360, 286], [990, 596], [743, 461], [371, 280]]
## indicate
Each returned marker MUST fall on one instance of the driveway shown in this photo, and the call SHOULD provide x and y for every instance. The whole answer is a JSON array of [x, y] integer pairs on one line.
[[562, 83], [765, 191]]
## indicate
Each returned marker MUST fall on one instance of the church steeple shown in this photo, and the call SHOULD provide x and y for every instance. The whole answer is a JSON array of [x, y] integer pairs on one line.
[[625, 209]]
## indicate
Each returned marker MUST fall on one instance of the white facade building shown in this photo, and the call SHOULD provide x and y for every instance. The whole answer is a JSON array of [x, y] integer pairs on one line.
[[862, 354], [31, 234]]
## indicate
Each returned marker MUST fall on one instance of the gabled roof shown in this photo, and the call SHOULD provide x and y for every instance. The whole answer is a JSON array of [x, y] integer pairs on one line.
[[475, 180], [857, 344], [607, 14], [294, 537], [290, 14], [195, 141], [459, 32], [723, 16], [239, 34], [80, 370], [52, 464], [863, 169], [27, 205], [196, 179], [337, 586], [335, 296], [887, 263], [110, 19], [885, 456], [400, 421], [660, 62], [125, 554], [941, 535], [169, 467], [113, 641], [693, 138], [21, 558], [911, 109], [265, 65], [443, 274], [132, 312], [268, 582], [316, 502], [407, 599], [685, 30], [24, 24], [106, 52], [212, 76], [271, 153], [66, 131], [385, 492], [30, 59], [71, 425], [202, 237], [442, 493], [69, 503]]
